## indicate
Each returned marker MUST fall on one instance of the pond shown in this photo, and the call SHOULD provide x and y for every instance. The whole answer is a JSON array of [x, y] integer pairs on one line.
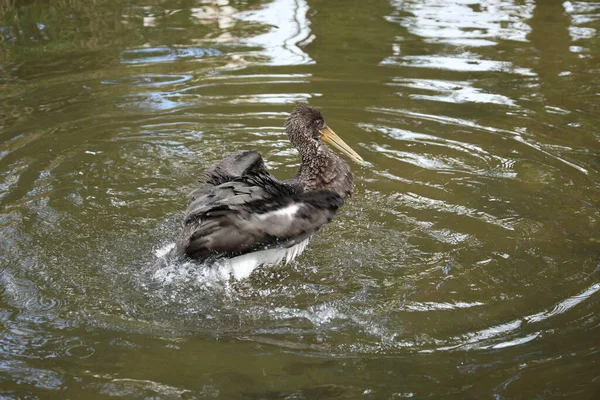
[[466, 265]]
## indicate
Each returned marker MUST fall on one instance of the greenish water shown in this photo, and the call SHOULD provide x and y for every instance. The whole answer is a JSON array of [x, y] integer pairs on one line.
[[465, 266]]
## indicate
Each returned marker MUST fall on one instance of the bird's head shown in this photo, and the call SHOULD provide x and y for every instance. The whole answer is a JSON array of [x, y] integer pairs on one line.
[[306, 126]]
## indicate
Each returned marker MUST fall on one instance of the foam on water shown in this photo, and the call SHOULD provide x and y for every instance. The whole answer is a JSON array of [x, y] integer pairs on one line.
[[237, 268]]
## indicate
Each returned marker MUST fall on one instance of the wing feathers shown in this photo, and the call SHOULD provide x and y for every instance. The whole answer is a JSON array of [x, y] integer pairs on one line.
[[234, 166]]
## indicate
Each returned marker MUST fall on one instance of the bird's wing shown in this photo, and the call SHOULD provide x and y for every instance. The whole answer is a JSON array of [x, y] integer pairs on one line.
[[235, 165], [251, 213]]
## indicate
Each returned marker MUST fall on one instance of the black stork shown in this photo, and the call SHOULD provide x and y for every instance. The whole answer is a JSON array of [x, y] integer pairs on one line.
[[242, 217]]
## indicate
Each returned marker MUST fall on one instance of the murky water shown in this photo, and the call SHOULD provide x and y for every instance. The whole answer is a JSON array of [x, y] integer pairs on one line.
[[466, 265]]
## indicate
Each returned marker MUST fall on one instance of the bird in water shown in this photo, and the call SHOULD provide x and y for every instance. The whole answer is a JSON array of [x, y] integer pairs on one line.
[[242, 217]]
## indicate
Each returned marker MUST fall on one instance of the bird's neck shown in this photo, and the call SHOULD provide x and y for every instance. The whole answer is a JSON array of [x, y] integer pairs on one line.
[[322, 169]]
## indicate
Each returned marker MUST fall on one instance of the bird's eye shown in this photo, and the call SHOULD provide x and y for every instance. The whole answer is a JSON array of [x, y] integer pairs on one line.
[[319, 124]]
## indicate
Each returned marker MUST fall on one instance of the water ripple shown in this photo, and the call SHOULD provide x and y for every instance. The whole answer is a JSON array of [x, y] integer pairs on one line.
[[149, 80], [150, 55], [517, 136], [462, 63], [452, 92], [480, 339], [21, 294]]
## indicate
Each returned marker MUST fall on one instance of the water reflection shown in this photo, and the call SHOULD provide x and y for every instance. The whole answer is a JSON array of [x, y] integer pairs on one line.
[[465, 23], [583, 14], [220, 11], [288, 29]]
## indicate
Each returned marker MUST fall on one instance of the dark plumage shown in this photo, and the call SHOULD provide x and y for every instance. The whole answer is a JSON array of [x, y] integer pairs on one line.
[[240, 208]]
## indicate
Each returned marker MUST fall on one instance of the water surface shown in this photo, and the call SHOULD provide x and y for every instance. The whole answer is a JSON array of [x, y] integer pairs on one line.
[[466, 265]]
